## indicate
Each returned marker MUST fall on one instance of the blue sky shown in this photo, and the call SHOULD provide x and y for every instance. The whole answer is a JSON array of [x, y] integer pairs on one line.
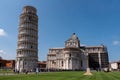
[[95, 22]]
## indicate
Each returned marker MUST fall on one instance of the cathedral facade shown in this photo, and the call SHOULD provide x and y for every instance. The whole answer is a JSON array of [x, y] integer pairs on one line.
[[76, 57]]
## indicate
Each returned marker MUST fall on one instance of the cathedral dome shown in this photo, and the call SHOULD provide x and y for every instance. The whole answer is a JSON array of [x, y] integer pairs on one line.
[[73, 42], [74, 37]]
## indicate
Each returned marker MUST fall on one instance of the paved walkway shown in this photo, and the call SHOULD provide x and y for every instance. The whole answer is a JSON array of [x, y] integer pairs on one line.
[[6, 74]]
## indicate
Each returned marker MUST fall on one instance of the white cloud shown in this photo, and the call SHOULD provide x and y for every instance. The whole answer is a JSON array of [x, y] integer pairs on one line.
[[116, 42], [2, 32], [2, 52], [6, 56]]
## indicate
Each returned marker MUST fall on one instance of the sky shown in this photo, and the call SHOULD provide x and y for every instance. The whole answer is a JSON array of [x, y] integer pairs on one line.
[[95, 22]]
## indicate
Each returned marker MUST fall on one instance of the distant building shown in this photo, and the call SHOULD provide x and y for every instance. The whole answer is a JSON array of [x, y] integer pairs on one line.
[[7, 64], [27, 46], [42, 66], [74, 56], [115, 65]]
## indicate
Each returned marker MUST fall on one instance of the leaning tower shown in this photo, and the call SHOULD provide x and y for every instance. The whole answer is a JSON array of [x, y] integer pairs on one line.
[[27, 45]]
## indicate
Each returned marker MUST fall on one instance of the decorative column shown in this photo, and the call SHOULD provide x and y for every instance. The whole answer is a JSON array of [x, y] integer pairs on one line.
[[99, 57], [88, 72]]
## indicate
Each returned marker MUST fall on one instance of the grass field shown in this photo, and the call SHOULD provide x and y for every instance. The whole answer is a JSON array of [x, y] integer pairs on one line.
[[63, 76]]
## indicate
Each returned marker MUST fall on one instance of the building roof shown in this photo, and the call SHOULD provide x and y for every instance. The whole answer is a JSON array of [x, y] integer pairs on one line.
[[51, 54], [56, 48], [115, 61], [73, 37], [93, 47], [71, 48], [42, 62]]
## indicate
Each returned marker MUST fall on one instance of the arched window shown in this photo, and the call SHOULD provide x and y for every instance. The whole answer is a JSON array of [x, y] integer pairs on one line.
[[29, 18], [25, 63], [69, 55], [31, 46], [81, 63], [62, 63]]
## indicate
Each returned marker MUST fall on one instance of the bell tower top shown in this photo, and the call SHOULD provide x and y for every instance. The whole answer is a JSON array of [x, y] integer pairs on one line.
[[29, 9]]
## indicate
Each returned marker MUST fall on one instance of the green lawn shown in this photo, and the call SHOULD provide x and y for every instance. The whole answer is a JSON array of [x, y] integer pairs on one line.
[[72, 75]]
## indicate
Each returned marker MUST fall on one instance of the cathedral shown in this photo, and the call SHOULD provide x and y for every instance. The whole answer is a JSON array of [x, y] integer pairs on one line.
[[76, 57]]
